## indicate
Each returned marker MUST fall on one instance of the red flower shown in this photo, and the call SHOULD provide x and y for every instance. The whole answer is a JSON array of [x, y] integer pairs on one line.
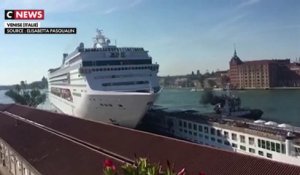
[[109, 164], [202, 173], [182, 172]]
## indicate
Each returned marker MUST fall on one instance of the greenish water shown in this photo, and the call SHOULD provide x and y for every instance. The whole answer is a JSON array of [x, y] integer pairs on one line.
[[278, 105]]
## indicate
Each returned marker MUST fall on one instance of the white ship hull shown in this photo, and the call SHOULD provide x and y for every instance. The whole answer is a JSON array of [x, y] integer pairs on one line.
[[125, 109], [108, 83]]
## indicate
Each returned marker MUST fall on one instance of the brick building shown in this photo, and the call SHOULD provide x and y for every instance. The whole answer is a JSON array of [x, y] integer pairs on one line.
[[263, 74]]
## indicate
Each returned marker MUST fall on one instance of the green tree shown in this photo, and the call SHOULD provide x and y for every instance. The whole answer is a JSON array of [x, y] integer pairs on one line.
[[21, 95]]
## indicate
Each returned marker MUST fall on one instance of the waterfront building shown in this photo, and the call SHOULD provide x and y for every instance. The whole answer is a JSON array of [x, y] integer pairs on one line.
[[263, 74]]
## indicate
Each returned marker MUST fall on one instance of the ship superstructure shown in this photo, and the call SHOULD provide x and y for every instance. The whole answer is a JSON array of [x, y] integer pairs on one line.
[[105, 83], [270, 140]]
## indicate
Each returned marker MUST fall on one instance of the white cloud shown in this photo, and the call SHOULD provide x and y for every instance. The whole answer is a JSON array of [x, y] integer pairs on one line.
[[246, 3], [121, 5]]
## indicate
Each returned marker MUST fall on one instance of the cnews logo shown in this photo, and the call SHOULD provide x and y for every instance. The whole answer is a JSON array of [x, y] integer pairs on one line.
[[24, 14]]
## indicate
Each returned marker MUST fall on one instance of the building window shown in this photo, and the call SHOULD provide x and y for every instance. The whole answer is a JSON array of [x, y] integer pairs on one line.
[[242, 147], [219, 140], [195, 134], [205, 129], [190, 126], [234, 145], [206, 137], [269, 155], [184, 124], [233, 136], [190, 132], [242, 138], [251, 150], [185, 131], [212, 131], [212, 139], [259, 143], [180, 130], [260, 153], [200, 135], [200, 128]]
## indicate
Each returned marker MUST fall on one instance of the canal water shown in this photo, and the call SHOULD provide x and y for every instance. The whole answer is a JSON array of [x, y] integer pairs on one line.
[[282, 106]]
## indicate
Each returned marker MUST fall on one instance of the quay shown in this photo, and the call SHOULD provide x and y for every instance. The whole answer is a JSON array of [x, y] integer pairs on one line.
[[34, 142]]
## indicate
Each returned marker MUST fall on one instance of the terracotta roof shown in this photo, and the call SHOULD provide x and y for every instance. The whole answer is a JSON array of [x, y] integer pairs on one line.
[[49, 153], [129, 143], [265, 61]]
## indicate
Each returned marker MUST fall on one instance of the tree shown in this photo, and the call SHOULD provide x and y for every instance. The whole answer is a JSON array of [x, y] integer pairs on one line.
[[21, 95]]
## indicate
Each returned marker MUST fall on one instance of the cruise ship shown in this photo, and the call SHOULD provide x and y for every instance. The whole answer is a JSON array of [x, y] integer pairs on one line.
[[265, 139], [105, 83]]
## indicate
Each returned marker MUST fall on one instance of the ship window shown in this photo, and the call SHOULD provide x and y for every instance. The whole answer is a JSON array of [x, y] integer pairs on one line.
[[242, 147], [251, 140], [251, 150], [272, 146], [278, 147], [233, 136], [87, 63], [212, 131], [226, 142], [205, 129], [195, 127], [242, 138], [219, 132], [268, 145], [200, 128], [180, 123], [269, 155], [226, 134], [283, 148], [263, 144], [260, 153]]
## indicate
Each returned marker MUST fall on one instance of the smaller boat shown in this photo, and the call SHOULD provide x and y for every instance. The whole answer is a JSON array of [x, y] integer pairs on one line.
[[229, 105]]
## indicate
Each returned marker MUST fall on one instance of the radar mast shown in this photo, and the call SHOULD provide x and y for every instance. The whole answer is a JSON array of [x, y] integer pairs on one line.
[[101, 39]]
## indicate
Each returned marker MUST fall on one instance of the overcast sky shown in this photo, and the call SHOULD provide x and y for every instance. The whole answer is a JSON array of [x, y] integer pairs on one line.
[[181, 35]]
